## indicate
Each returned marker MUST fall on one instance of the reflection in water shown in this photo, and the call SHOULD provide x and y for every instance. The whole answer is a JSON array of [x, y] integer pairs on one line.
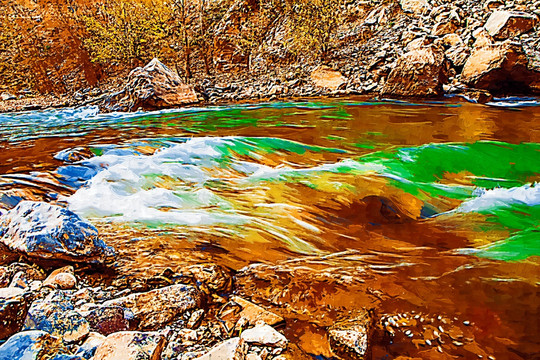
[[419, 211]]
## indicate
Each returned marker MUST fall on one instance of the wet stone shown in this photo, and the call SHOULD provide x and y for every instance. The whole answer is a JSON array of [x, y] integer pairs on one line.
[[350, 339], [215, 277], [131, 345]]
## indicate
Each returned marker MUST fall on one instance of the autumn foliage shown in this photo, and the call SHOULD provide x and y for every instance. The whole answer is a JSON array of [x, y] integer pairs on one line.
[[192, 36]]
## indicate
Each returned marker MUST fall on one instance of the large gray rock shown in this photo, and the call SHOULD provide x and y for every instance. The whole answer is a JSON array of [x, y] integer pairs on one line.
[[154, 86], [51, 232], [159, 307]]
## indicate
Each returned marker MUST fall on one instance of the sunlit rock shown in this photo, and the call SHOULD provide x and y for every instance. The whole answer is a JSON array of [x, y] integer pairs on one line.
[[231, 349], [51, 232], [264, 335], [499, 68], [62, 279], [90, 345], [159, 307], [507, 24], [131, 345], [419, 72], [151, 87], [350, 339], [326, 77]]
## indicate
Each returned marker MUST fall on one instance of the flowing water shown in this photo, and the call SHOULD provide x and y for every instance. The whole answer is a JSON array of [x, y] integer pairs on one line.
[[426, 212]]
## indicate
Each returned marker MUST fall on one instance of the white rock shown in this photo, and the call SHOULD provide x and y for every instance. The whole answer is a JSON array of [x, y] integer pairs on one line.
[[264, 335]]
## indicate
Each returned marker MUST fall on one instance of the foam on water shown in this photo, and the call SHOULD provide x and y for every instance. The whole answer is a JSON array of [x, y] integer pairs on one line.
[[528, 194]]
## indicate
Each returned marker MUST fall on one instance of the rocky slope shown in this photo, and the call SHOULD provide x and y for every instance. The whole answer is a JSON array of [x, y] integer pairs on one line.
[[393, 48]]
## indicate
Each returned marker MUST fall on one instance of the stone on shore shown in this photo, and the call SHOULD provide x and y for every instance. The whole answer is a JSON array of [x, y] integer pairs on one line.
[[13, 309], [131, 345], [326, 77], [507, 24], [55, 314], [231, 349], [159, 307], [45, 231], [213, 276], [62, 279], [419, 72], [154, 86], [88, 349], [350, 339], [499, 68], [255, 313], [30, 345], [264, 335], [108, 319]]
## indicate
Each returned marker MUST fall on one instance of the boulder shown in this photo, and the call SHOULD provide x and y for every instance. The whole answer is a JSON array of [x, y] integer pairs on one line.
[[415, 6], [419, 72], [154, 86], [131, 345], [213, 276], [108, 319], [457, 55], [51, 232], [13, 309], [326, 77], [264, 335], [159, 307], [231, 349], [29, 345], [55, 314], [350, 339], [24, 275], [507, 24], [500, 68], [90, 345], [61, 279], [246, 310]]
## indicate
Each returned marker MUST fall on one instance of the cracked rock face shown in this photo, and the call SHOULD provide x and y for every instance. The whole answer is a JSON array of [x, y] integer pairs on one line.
[[51, 232]]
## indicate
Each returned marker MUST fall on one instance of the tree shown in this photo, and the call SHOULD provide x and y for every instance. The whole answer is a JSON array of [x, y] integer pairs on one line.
[[313, 23], [131, 31]]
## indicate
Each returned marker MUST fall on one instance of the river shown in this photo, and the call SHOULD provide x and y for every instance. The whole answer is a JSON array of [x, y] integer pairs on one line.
[[427, 212]]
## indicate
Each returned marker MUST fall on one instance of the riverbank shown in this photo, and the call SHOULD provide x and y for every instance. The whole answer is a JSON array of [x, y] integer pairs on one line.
[[404, 48]]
